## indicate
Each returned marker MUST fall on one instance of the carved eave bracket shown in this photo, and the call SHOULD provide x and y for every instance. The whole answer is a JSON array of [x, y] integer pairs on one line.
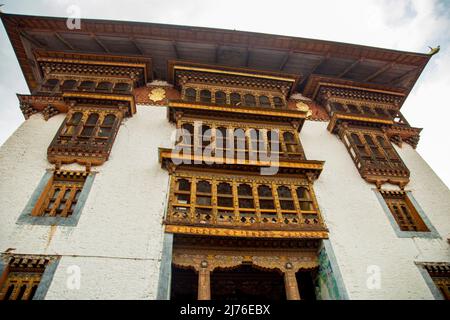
[[339, 118], [49, 106], [177, 109], [182, 72], [310, 169], [125, 102], [400, 133]]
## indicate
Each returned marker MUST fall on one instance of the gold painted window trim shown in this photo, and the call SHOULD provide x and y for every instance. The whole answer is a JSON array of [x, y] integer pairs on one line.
[[270, 94], [247, 209], [403, 211], [291, 148], [60, 195], [86, 136]]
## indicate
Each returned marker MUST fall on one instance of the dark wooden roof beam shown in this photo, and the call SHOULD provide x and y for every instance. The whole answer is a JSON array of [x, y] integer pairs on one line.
[[137, 46], [97, 40], [285, 60], [406, 75], [175, 49], [247, 57], [315, 67], [64, 41], [379, 71], [350, 67], [216, 54], [34, 41]]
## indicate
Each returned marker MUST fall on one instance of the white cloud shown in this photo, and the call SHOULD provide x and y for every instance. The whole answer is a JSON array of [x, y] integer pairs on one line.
[[409, 25]]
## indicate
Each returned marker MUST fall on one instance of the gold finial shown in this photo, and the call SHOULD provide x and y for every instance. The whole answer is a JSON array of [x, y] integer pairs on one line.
[[433, 51]]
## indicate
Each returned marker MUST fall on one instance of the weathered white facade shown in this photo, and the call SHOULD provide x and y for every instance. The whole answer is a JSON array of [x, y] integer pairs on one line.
[[117, 242], [363, 240]]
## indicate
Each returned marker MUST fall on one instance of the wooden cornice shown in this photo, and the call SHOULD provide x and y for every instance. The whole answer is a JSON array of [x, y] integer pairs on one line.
[[339, 118], [289, 80], [315, 82], [310, 168], [275, 115]]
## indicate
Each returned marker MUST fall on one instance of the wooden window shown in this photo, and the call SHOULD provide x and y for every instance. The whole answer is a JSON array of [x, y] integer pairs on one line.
[[278, 102], [203, 202], [375, 151], [246, 204], [235, 99], [440, 274], [61, 194], [273, 141], [388, 148], [292, 146], [187, 134], [285, 197], [353, 109], [221, 138], [49, 85], [205, 96], [122, 87], [86, 86], [240, 200], [267, 204], [71, 125], [337, 107], [368, 111], [107, 126], [381, 112], [86, 125], [404, 212], [22, 277], [264, 102], [225, 204], [220, 98], [190, 94], [104, 87], [360, 147], [249, 100], [69, 85], [89, 126]]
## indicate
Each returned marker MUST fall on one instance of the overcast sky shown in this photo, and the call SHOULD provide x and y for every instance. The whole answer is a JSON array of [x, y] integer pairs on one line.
[[410, 25]]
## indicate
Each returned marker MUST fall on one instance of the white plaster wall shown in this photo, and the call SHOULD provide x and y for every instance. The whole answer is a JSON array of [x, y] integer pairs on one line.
[[118, 240], [360, 232]]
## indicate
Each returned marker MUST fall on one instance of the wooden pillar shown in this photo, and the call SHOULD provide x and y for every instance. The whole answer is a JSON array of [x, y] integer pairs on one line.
[[290, 283], [204, 282]]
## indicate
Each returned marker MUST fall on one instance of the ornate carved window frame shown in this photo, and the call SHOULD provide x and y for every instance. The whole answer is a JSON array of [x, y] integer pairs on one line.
[[375, 162], [229, 90], [291, 149], [26, 277], [71, 145], [413, 206], [437, 278], [183, 204], [77, 180]]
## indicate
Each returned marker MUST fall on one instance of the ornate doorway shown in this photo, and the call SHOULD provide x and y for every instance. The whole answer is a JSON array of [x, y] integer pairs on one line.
[[247, 282], [243, 269]]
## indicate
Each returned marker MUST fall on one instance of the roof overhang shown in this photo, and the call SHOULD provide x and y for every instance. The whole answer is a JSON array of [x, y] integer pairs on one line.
[[161, 42]]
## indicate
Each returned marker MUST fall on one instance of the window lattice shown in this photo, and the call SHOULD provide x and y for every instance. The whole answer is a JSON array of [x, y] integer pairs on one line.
[[440, 273], [21, 278], [241, 98], [241, 201], [404, 212], [61, 194]]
